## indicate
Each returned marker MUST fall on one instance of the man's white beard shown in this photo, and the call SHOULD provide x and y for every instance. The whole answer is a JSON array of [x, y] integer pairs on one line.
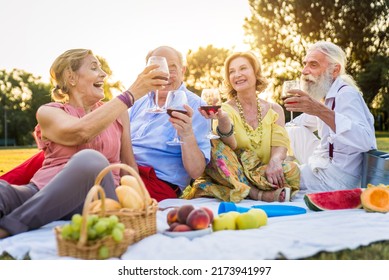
[[318, 87]]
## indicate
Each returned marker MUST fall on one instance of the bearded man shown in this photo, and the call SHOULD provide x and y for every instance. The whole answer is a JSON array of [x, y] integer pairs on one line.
[[336, 126]]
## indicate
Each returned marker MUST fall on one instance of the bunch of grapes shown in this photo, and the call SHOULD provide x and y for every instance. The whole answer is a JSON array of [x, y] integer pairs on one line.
[[98, 227]]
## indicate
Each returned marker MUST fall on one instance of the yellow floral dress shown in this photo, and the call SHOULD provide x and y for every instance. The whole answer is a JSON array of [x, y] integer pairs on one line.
[[230, 174]]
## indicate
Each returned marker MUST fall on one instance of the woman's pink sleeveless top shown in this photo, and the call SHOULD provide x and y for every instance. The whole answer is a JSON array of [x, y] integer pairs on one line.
[[108, 142]]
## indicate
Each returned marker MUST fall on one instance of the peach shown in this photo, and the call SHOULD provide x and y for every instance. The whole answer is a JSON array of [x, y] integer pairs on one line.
[[209, 212], [173, 225], [182, 227], [172, 216], [198, 219], [183, 213]]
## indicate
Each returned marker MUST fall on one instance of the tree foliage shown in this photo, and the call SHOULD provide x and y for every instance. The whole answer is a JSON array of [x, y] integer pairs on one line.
[[21, 94], [205, 68], [281, 30]]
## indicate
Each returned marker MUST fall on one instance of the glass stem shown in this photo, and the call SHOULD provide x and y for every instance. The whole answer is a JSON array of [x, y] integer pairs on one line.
[[156, 99], [291, 116]]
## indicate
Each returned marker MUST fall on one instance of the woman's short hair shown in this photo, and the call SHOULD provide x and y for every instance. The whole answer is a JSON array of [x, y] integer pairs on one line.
[[261, 82], [70, 60]]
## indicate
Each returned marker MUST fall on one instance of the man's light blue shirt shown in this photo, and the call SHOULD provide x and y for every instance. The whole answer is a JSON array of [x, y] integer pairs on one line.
[[150, 132]]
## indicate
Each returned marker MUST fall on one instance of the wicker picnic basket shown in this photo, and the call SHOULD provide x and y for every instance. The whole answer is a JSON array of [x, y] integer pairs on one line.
[[89, 250], [143, 221]]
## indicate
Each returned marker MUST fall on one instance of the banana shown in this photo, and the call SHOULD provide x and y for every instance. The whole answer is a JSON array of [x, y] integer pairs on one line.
[[129, 197]]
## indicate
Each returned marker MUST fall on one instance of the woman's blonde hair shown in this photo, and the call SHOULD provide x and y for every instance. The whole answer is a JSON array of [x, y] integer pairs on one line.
[[261, 83], [68, 62]]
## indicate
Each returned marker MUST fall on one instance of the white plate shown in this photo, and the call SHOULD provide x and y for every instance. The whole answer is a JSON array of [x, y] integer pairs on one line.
[[189, 234]]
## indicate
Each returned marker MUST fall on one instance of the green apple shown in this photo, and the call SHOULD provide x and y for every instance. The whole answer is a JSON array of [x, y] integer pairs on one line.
[[246, 221], [260, 216], [225, 221]]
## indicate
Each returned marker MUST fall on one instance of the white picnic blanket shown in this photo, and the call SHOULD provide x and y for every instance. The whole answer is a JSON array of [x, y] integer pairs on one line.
[[292, 237]]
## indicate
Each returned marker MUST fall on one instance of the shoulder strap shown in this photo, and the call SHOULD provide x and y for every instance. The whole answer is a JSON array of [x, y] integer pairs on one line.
[[331, 146]]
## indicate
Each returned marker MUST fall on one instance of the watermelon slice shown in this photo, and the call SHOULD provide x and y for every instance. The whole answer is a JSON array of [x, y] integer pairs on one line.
[[334, 200]]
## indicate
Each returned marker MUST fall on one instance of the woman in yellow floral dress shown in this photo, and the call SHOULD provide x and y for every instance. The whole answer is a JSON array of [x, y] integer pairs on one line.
[[249, 158]]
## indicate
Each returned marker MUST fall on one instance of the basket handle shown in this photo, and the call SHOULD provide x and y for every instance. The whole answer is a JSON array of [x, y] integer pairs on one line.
[[92, 194], [127, 168]]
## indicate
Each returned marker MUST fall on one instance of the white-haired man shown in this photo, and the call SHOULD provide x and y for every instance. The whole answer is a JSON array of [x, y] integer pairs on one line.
[[333, 106]]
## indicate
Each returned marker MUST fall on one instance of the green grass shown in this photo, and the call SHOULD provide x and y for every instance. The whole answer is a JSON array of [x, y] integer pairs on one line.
[[382, 140], [10, 158]]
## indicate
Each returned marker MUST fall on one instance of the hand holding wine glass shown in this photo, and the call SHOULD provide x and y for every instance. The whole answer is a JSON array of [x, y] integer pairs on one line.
[[212, 97], [163, 66], [287, 86], [175, 101]]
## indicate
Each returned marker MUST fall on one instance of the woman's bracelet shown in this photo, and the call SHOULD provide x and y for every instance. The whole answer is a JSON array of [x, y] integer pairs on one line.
[[223, 135], [127, 98]]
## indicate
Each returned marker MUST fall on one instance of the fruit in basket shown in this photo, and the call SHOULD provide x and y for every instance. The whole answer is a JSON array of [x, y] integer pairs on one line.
[[198, 219], [131, 181], [334, 200], [375, 199], [129, 198], [97, 228], [110, 205], [103, 252]]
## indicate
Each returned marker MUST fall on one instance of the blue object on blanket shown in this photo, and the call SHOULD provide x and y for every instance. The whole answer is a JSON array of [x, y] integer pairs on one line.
[[272, 210]]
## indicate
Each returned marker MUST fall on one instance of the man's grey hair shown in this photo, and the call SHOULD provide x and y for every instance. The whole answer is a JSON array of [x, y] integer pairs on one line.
[[335, 55]]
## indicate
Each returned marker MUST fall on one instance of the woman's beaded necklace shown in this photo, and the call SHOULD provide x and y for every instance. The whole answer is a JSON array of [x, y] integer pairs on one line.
[[249, 130]]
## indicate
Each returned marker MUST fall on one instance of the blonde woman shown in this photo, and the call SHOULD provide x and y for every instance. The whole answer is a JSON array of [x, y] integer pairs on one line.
[[253, 129]]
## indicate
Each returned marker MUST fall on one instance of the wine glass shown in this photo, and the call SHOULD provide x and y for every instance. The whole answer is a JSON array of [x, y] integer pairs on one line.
[[163, 66], [287, 86], [212, 97], [175, 101]]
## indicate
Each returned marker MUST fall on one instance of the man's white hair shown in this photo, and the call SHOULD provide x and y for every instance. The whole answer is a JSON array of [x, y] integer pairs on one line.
[[335, 55]]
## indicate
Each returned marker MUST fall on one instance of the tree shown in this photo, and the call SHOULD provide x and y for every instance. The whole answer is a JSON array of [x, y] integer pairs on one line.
[[205, 68], [21, 94], [281, 30]]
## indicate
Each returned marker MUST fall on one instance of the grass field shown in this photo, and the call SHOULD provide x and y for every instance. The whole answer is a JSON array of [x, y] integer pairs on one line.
[[10, 158]]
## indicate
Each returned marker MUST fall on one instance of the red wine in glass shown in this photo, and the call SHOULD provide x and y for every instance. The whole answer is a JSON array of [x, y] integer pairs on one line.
[[210, 108], [288, 96], [171, 110], [212, 98]]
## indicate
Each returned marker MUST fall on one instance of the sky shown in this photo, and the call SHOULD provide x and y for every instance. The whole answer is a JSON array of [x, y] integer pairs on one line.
[[35, 32]]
